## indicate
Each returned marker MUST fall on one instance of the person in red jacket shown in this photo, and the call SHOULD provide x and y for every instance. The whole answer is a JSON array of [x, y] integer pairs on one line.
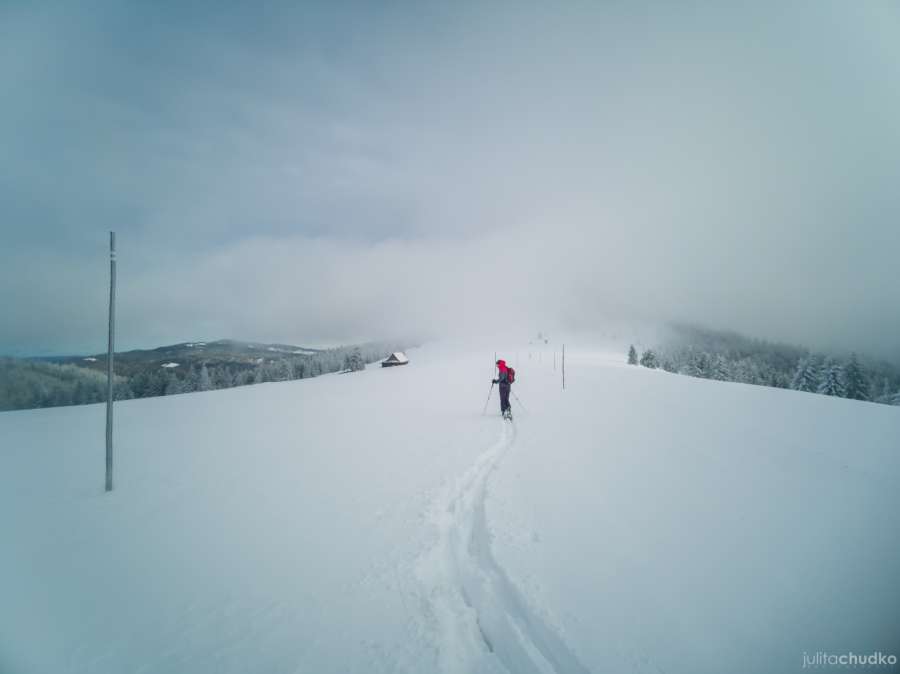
[[504, 383]]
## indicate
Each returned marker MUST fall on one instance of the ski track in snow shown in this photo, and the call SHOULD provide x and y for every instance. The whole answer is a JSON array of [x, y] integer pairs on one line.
[[479, 619]]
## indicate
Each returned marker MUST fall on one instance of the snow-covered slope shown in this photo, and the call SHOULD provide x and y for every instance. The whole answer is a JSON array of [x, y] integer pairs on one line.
[[377, 522]]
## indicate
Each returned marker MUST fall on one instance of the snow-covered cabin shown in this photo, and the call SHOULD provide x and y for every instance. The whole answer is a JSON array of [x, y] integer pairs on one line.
[[396, 358]]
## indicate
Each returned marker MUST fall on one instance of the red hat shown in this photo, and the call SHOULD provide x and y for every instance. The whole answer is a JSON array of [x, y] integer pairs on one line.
[[501, 365]]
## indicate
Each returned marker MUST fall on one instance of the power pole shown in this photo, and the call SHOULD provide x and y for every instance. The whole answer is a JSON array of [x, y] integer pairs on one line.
[[109, 361], [564, 366]]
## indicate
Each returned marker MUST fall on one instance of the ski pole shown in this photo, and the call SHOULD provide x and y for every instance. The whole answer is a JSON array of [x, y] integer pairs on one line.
[[517, 400], [484, 411]]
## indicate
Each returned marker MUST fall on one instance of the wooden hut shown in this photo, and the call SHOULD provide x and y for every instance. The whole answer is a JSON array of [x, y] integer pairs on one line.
[[396, 358]]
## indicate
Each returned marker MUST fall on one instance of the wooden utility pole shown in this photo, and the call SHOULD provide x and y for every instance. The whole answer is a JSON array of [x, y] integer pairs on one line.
[[564, 366], [109, 361]]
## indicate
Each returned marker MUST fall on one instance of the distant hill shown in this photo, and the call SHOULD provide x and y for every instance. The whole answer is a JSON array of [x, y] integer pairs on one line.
[[178, 368], [186, 354]]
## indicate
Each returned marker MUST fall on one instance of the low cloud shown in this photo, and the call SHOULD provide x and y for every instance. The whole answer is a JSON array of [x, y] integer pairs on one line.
[[463, 172]]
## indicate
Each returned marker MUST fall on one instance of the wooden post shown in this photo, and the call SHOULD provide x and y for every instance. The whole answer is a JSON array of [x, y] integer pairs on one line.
[[564, 366], [109, 361]]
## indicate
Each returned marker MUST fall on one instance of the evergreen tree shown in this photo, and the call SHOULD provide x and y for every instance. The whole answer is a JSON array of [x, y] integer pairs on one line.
[[222, 377], [817, 367], [739, 371], [806, 376], [856, 386], [689, 364], [353, 361], [719, 368], [140, 383], [121, 389], [174, 386], [632, 355], [833, 380], [699, 365], [245, 377], [156, 385], [885, 395], [191, 381], [649, 359], [79, 396], [61, 396], [205, 383]]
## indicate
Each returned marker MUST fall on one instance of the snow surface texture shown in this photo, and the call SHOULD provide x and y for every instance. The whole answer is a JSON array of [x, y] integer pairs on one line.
[[377, 522]]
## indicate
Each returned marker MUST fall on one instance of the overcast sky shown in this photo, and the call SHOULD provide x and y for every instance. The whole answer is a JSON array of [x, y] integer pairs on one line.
[[326, 172]]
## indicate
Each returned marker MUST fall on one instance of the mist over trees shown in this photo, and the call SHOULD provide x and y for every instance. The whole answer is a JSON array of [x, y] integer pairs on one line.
[[726, 356], [26, 384]]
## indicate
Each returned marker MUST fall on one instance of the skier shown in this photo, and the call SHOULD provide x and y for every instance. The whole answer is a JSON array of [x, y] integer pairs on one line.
[[505, 377]]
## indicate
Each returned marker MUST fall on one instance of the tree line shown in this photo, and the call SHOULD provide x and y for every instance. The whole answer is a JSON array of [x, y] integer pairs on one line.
[[734, 358], [26, 384]]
